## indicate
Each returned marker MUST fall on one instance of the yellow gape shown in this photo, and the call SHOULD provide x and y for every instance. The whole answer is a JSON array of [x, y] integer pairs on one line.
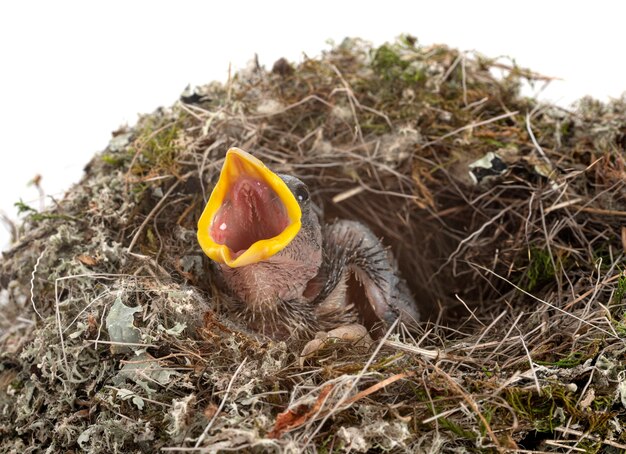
[[240, 169]]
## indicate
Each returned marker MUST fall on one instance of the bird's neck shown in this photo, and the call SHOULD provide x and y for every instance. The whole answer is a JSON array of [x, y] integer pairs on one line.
[[281, 278]]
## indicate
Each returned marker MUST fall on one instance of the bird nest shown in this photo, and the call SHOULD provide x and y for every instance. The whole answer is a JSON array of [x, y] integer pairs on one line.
[[505, 215]]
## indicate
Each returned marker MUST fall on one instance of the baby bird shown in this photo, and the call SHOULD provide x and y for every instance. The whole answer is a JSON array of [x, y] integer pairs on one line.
[[291, 277]]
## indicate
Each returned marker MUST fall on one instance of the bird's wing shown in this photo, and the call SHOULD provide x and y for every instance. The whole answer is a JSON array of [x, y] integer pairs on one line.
[[355, 257]]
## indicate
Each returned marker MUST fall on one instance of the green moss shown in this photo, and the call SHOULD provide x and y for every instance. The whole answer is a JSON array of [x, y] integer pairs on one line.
[[115, 160], [590, 447], [23, 207], [328, 446], [620, 325], [151, 239], [495, 143], [386, 361], [565, 128], [388, 63], [35, 216], [16, 385], [38, 217], [603, 256], [619, 315], [540, 269], [488, 413], [548, 409], [620, 289], [540, 410], [157, 146], [457, 429], [572, 360], [601, 403]]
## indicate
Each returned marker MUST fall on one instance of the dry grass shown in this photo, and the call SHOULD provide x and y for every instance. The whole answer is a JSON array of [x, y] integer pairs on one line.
[[520, 274]]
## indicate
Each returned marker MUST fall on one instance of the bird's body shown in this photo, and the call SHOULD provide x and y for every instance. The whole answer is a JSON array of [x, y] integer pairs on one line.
[[320, 279]]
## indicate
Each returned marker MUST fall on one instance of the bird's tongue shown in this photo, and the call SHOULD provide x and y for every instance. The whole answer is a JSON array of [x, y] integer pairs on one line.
[[251, 211]]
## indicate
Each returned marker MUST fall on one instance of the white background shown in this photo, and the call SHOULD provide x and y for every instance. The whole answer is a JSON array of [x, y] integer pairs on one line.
[[72, 72]]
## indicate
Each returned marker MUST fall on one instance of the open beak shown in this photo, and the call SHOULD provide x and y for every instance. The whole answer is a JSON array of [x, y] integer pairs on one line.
[[251, 214]]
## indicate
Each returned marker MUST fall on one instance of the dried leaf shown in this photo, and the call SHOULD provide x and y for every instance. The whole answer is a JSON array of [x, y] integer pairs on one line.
[[292, 419], [87, 260], [126, 394], [210, 410], [144, 370], [588, 399], [120, 325], [175, 330]]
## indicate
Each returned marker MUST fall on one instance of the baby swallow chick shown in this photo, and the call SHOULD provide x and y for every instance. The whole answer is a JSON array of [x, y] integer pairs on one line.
[[291, 277]]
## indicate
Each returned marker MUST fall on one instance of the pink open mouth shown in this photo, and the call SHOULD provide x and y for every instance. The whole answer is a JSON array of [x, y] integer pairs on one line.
[[251, 211]]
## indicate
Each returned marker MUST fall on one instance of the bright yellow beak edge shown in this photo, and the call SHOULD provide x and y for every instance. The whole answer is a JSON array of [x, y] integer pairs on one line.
[[239, 162]]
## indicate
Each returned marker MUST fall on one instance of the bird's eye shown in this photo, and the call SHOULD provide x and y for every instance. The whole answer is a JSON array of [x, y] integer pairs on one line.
[[302, 194]]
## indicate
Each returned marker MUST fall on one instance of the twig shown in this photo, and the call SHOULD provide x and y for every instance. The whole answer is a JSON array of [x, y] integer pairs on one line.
[[10, 225], [140, 396], [347, 194], [430, 354], [552, 306], [57, 313], [473, 404], [565, 204], [530, 361], [292, 421], [222, 403], [534, 141], [470, 126], [356, 380], [621, 214], [472, 315], [469, 238], [130, 344], [486, 330], [32, 283], [147, 219], [581, 434]]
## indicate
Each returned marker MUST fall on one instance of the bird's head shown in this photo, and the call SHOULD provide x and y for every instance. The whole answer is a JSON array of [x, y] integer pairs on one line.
[[252, 213]]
